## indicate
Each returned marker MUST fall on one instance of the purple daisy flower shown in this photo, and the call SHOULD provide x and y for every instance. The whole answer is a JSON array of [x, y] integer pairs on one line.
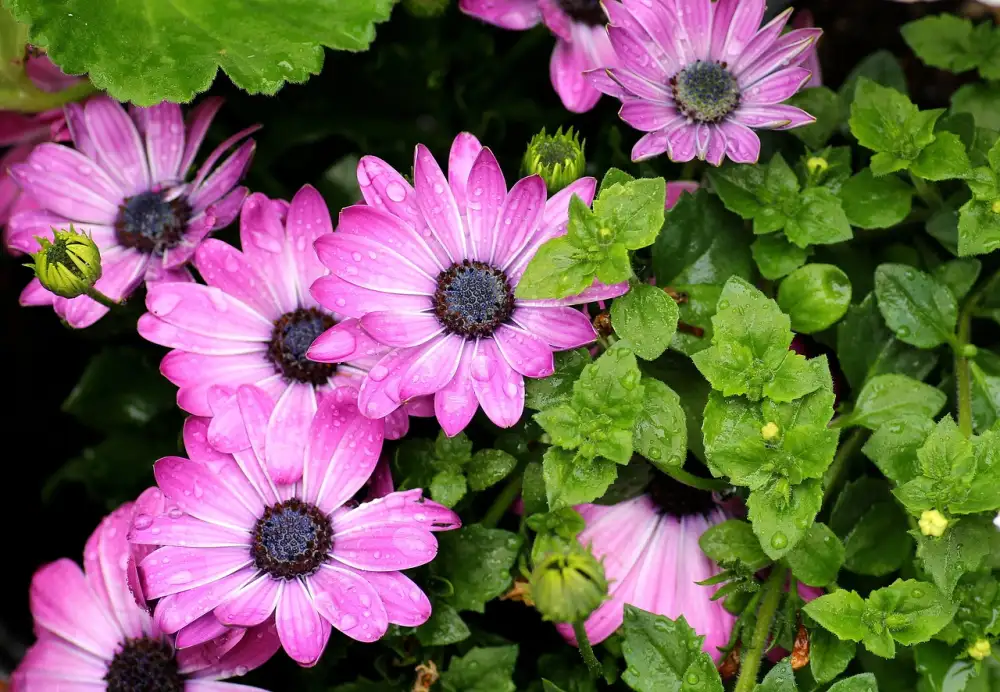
[[252, 324], [245, 548], [804, 20], [697, 75], [581, 41], [93, 636], [431, 271], [652, 560], [125, 185]]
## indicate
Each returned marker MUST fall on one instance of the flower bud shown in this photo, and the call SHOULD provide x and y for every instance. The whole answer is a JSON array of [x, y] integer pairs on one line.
[[995, 207], [979, 650], [557, 158], [770, 431], [69, 265], [568, 587], [933, 523], [817, 164]]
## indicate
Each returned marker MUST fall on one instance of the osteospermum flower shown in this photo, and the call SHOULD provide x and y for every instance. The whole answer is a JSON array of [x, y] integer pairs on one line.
[[431, 271], [697, 75], [652, 560], [93, 636], [252, 324], [125, 184], [245, 548], [581, 42]]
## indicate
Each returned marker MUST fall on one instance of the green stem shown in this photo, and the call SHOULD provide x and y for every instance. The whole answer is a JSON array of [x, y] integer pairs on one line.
[[94, 294], [761, 631], [693, 481], [504, 500], [834, 476], [586, 650], [926, 192], [963, 337]]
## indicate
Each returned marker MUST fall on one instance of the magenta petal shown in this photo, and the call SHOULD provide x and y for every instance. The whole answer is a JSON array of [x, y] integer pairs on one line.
[[777, 87], [437, 203], [676, 189], [557, 21], [742, 145], [251, 605], [77, 124], [433, 368], [455, 404], [64, 662], [788, 49], [118, 144], [524, 352], [185, 531], [64, 196], [198, 492], [107, 576], [308, 219], [228, 269], [348, 300], [224, 178], [633, 55], [772, 117], [34, 294], [682, 143], [379, 393], [601, 80], [287, 432], [762, 41], [198, 121], [195, 434], [499, 388], [207, 310], [405, 507], [392, 232], [401, 329], [152, 328], [647, 116], [507, 14], [123, 271], [262, 237], [639, 87], [560, 327], [367, 263], [349, 603], [205, 629], [464, 151], [697, 23], [302, 631], [257, 411], [488, 193], [659, 22], [566, 68], [711, 144], [734, 24], [385, 547], [519, 218], [62, 603], [253, 650], [164, 140], [62, 162], [181, 608], [405, 604], [172, 569]]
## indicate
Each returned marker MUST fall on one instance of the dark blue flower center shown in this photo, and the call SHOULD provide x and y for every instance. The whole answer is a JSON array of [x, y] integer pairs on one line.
[[144, 665], [679, 500], [150, 223], [705, 91], [473, 299], [587, 12], [293, 334], [292, 539]]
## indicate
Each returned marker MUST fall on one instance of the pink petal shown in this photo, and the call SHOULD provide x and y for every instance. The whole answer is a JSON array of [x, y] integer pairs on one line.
[[172, 569], [762, 41], [52, 660], [734, 25], [64, 196], [596, 292], [405, 604], [498, 387], [302, 631], [711, 144], [262, 237], [650, 145], [464, 151], [566, 69], [524, 352], [682, 143], [346, 299], [385, 547], [433, 368], [185, 530], [62, 162], [198, 121], [696, 22], [251, 605], [405, 507], [633, 55], [638, 87], [367, 263], [164, 141], [209, 164], [349, 603], [257, 412], [560, 327], [777, 86], [195, 369], [224, 178], [393, 233], [185, 606], [676, 189], [507, 14], [123, 271], [154, 329], [647, 116], [486, 193], [437, 203], [519, 218], [62, 603], [204, 629], [772, 117], [287, 432], [786, 50], [601, 80], [119, 147], [308, 219], [557, 21], [344, 341], [207, 310], [660, 24], [252, 651], [401, 329], [455, 404], [742, 145], [379, 394], [195, 434], [198, 492], [228, 269], [34, 294]]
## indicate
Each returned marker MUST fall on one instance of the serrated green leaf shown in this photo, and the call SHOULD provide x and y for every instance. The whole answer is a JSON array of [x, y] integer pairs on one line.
[[829, 655], [448, 486], [943, 41], [818, 220], [865, 682], [893, 447], [445, 626], [815, 297], [959, 275], [660, 432], [146, 52], [557, 270], [778, 679], [961, 549], [781, 518], [817, 558], [488, 467], [557, 388], [533, 489], [822, 104], [886, 398], [871, 202], [477, 562], [660, 652], [978, 228], [647, 317], [734, 541], [841, 613], [633, 210], [942, 159], [884, 120], [614, 176], [918, 309], [982, 101], [912, 611], [776, 256], [878, 544], [483, 669], [572, 480]]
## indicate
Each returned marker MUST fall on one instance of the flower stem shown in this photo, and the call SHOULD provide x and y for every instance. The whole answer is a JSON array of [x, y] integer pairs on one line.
[[503, 501], [834, 476], [94, 294], [926, 191], [963, 336], [693, 481], [761, 630], [586, 650]]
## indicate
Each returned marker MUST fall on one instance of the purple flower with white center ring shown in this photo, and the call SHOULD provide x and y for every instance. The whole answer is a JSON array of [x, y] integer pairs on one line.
[[253, 323], [126, 185], [581, 41], [240, 546], [431, 272], [697, 75]]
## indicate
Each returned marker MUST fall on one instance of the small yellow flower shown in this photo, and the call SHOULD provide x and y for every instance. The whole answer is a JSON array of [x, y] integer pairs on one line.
[[817, 164], [980, 650], [770, 431], [933, 523]]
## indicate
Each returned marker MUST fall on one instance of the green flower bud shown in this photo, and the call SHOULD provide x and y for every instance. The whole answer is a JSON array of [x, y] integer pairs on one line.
[[69, 265], [568, 587], [557, 158], [426, 9]]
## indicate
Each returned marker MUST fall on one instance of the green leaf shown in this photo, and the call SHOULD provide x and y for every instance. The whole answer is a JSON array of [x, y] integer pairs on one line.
[[445, 626], [918, 309], [871, 202], [557, 270], [632, 481], [660, 432], [943, 41], [913, 611], [571, 479], [878, 544], [733, 541], [982, 101], [886, 398], [483, 669], [633, 210], [817, 558], [776, 256], [841, 613], [778, 679], [893, 447], [881, 67], [961, 549], [457, 449], [978, 228], [856, 683], [781, 517], [647, 317], [533, 489], [829, 655], [822, 104], [661, 653], [557, 388], [815, 297], [488, 467], [818, 220], [959, 275], [614, 176], [187, 41], [550, 687], [985, 398], [885, 121], [942, 159], [448, 486], [749, 353], [477, 562]]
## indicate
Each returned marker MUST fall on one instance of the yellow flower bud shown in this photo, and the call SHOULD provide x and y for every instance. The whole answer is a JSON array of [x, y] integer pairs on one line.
[[933, 523], [817, 164], [980, 650], [69, 265], [568, 587], [995, 206], [770, 431]]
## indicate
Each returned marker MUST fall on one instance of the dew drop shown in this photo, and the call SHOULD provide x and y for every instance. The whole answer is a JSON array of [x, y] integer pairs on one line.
[[779, 541]]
